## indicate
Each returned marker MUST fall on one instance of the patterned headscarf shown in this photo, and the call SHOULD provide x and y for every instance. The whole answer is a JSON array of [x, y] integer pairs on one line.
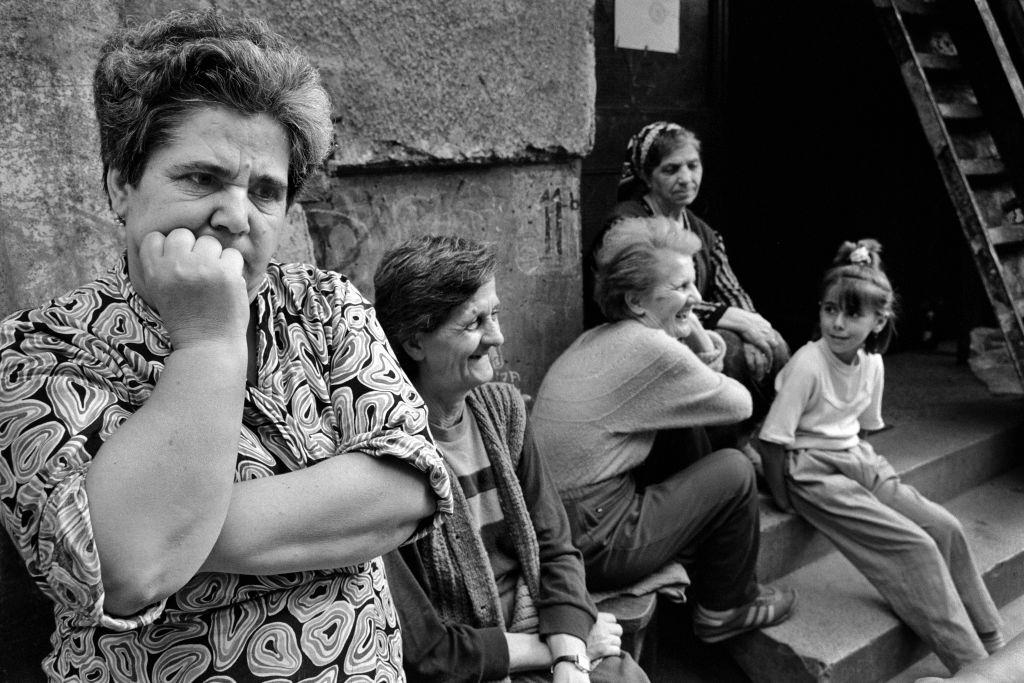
[[632, 179]]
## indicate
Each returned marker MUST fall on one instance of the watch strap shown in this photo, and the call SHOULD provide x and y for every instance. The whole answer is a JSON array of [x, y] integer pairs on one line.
[[569, 659]]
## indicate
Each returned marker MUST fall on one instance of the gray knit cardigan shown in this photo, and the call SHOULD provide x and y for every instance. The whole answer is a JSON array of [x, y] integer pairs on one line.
[[454, 558]]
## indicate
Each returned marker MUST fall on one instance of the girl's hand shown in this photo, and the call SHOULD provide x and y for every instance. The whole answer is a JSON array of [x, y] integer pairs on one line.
[[773, 458], [605, 638]]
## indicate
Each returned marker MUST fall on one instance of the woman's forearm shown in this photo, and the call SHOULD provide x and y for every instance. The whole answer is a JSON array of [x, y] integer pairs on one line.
[[345, 510], [160, 487], [527, 651]]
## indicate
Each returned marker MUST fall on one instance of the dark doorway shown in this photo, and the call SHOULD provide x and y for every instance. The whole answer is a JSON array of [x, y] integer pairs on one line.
[[635, 87], [809, 139]]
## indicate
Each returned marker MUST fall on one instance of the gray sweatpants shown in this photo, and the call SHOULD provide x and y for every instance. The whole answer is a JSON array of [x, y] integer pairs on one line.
[[912, 549]]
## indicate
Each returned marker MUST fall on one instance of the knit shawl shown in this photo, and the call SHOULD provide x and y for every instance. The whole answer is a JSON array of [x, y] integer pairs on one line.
[[458, 573]]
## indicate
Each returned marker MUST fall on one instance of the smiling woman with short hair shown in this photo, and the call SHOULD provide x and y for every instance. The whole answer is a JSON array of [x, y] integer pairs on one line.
[[620, 416], [499, 590]]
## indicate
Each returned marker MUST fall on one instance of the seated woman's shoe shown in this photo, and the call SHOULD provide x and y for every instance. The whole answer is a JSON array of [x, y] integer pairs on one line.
[[770, 607], [993, 641]]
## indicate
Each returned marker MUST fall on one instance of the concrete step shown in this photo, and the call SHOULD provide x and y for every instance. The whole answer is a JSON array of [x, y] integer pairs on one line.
[[1013, 617], [844, 631], [945, 435]]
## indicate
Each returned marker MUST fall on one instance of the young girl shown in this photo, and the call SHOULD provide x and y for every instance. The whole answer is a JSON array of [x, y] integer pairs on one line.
[[911, 549]]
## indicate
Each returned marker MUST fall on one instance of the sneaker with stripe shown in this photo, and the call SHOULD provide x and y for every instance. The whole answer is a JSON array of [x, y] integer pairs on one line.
[[993, 641], [770, 607]]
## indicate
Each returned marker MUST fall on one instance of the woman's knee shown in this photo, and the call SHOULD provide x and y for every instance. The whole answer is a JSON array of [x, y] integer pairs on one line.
[[733, 472], [947, 531], [919, 542]]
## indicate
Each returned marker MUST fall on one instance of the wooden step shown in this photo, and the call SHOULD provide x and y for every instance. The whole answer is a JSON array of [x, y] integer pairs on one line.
[[969, 29], [912, 7], [937, 62], [959, 111], [843, 632], [1011, 233], [989, 166]]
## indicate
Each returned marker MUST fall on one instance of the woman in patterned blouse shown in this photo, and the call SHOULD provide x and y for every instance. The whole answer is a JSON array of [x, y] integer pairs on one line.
[[203, 453]]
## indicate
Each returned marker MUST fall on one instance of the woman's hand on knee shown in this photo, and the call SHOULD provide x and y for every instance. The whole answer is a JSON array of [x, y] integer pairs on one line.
[[605, 638], [750, 326]]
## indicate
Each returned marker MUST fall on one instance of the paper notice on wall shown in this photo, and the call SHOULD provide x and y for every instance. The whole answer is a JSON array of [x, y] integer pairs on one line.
[[647, 25]]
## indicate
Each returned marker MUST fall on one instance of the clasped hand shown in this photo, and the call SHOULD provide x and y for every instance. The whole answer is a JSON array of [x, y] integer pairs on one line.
[[196, 286], [761, 340], [605, 638]]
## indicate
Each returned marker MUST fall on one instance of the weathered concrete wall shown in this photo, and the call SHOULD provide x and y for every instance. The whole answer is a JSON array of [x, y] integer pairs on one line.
[[449, 84], [54, 227], [528, 214], [421, 81]]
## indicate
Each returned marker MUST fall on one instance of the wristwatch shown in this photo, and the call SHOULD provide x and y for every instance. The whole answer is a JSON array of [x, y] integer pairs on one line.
[[571, 659]]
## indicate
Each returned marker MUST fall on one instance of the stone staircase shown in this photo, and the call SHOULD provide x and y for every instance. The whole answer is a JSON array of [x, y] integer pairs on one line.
[[958, 445]]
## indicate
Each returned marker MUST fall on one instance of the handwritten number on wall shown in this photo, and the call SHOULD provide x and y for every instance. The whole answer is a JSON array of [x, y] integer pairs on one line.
[[553, 221]]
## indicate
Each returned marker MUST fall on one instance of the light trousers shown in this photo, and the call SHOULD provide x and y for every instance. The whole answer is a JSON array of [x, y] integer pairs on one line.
[[912, 549]]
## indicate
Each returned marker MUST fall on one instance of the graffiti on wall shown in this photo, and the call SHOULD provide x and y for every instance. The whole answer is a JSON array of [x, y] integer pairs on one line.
[[529, 215], [361, 220]]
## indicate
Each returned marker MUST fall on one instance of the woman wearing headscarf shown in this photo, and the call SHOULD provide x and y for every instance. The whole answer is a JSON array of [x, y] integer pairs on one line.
[[204, 452], [661, 176]]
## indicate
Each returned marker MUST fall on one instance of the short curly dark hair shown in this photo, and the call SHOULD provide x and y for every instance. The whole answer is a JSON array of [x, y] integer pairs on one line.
[[151, 77], [420, 282]]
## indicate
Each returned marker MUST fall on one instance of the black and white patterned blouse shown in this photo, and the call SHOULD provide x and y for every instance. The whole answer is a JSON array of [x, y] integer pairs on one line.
[[73, 370]]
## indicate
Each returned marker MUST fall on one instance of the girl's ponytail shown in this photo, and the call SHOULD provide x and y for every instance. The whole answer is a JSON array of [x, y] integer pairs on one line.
[[865, 252]]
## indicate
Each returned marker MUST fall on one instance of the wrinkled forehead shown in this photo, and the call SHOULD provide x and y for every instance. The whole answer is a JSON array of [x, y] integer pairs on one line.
[[672, 265], [683, 155], [483, 300]]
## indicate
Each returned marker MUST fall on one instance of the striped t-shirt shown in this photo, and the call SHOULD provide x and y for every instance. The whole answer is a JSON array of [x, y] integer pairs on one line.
[[463, 448]]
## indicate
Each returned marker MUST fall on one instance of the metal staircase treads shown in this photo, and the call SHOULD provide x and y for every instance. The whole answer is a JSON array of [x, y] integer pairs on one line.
[[970, 101]]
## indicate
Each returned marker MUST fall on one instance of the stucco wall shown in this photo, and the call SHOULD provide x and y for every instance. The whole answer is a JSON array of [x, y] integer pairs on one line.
[[528, 214], [490, 100]]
